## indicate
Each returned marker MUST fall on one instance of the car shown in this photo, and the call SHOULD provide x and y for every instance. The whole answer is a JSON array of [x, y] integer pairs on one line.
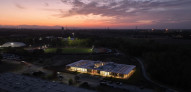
[[102, 80], [110, 82], [22, 61], [103, 84], [119, 83]]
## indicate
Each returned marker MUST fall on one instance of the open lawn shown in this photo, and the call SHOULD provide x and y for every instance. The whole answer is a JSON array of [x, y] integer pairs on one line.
[[50, 50], [69, 50], [76, 50]]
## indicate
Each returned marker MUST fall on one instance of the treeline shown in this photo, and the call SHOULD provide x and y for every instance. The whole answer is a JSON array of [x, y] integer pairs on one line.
[[77, 42], [53, 42], [166, 63], [170, 66], [70, 43]]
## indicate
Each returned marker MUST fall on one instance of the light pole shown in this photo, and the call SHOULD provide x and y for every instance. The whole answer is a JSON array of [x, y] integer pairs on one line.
[[92, 47], [73, 34], [12, 44]]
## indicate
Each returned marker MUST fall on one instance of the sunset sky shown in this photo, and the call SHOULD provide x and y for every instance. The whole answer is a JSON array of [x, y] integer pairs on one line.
[[96, 13]]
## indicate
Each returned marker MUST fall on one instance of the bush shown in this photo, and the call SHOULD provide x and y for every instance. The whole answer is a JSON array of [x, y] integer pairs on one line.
[[70, 82], [85, 85]]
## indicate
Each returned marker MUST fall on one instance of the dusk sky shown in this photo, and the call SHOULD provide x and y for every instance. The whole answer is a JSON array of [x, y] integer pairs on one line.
[[97, 13]]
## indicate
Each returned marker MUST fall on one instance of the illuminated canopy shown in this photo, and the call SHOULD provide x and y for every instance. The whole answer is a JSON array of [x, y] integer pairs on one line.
[[13, 44]]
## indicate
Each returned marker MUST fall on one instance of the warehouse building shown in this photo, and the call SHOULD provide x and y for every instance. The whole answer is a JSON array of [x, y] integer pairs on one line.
[[106, 69]]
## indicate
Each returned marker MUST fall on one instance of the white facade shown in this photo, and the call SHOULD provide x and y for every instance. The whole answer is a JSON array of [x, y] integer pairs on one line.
[[13, 44]]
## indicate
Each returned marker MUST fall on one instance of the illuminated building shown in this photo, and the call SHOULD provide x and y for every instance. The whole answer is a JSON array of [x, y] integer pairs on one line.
[[106, 69], [13, 44]]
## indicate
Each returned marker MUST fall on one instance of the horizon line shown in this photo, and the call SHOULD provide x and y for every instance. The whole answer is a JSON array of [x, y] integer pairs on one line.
[[77, 28]]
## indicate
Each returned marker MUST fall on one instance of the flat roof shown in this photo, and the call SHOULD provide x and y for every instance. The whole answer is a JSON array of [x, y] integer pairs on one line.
[[105, 66]]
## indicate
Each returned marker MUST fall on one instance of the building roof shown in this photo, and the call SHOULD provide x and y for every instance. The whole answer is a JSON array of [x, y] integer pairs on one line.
[[13, 44], [103, 66]]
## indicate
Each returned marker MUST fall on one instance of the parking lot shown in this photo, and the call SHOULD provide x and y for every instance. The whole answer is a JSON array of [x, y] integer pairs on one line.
[[18, 83]]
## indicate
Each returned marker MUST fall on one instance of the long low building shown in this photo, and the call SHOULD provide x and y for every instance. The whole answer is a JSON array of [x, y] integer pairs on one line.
[[106, 69]]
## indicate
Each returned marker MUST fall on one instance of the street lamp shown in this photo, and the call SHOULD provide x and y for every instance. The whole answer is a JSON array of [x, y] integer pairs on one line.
[[166, 30], [12, 44], [92, 47], [73, 34]]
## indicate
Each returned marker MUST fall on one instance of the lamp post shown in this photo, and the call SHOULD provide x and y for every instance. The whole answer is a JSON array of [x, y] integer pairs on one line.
[[166, 30], [12, 44], [92, 47], [73, 34]]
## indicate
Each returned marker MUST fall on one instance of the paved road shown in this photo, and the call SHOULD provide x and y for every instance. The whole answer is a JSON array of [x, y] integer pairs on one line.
[[132, 88], [28, 67], [147, 78], [19, 83]]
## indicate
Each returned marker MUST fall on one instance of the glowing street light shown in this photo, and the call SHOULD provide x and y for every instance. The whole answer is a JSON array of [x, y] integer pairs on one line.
[[73, 34], [166, 30], [12, 44], [92, 47], [153, 29]]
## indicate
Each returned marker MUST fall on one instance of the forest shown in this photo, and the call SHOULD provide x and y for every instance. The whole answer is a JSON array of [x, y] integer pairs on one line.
[[165, 63]]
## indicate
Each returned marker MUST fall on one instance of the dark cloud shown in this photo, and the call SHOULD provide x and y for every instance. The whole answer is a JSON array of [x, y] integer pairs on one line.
[[163, 11], [46, 4], [122, 8], [20, 6], [66, 1]]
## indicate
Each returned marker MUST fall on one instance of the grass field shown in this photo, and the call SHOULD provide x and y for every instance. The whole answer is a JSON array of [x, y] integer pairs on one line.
[[50, 50], [69, 50]]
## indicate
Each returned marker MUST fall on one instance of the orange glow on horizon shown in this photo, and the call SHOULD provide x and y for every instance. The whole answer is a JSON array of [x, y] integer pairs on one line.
[[91, 14], [34, 13]]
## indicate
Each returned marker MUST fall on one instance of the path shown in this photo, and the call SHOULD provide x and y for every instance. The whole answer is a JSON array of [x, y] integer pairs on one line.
[[147, 78]]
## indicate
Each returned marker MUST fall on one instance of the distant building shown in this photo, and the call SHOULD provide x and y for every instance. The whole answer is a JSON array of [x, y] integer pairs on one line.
[[106, 69], [50, 37], [13, 44], [62, 28], [69, 38]]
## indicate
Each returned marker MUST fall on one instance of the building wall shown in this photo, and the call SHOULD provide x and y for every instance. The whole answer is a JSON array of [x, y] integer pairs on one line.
[[105, 73], [102, 73], [130, 74], [82, 70]]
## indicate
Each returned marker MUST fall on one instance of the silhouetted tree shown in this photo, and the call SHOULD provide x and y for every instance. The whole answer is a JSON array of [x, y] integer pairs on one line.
[[70, 82], [1, 58], [76, 78]]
